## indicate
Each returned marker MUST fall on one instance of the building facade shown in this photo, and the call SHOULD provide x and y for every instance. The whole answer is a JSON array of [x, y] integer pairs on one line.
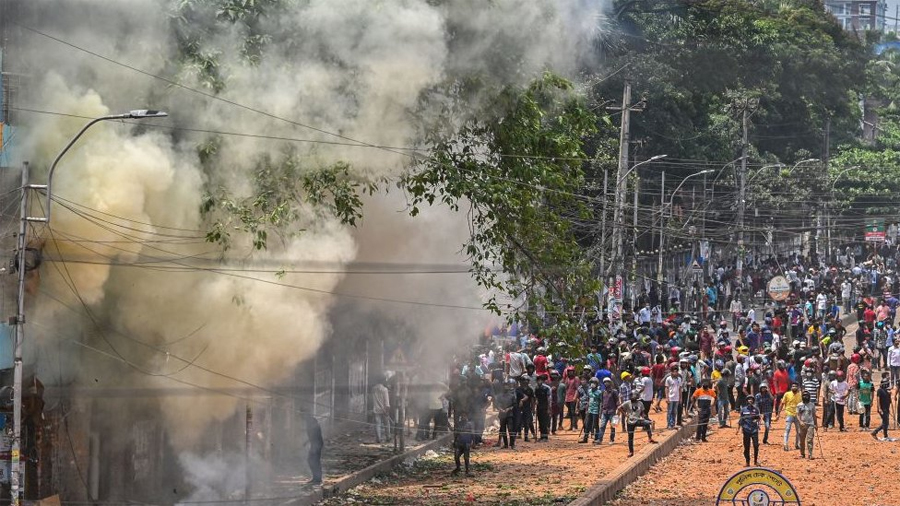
[[859, 15]]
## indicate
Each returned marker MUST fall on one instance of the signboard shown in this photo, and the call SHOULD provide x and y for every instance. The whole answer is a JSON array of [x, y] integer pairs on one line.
[[696, 267], [875, 230], [779, 288], [758, 486], [615, 297]]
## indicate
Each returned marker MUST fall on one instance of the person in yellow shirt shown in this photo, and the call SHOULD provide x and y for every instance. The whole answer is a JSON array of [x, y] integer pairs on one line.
[[789, 404]]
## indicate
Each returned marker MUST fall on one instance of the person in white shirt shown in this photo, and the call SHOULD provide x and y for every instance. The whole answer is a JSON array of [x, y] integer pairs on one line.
[[821, 301], [517, 363], [846, 288], [644, 314], [736, 310], [381, 406], [674, 382], [894, 361], [840, 390]]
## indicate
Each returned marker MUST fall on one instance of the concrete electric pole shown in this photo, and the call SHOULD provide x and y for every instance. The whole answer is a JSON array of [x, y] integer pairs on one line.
[[617, 263]]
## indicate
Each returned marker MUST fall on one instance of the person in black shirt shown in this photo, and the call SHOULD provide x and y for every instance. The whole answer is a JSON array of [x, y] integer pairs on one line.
[[316, 443], [525, 400], [462, 441], [765, 403], [542, 395], [749, 425], [884, 407], [507, 406], [860, 309]]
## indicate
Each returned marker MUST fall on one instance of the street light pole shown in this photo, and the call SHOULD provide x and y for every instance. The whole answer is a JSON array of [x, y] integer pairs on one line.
[[828, 220], [664, 225], [17, 478]]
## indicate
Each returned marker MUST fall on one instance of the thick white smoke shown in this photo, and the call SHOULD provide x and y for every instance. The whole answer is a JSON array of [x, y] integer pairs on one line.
[[355, 67]]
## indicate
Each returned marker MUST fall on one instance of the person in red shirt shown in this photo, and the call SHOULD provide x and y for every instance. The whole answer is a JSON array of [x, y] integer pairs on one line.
[[572, 383], [540, 362], [777, 325], [781, 383], [869, 316], [706, 343], [658, 375]]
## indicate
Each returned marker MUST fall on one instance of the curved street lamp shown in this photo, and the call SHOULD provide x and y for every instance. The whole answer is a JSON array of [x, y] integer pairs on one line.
[[17, 471]]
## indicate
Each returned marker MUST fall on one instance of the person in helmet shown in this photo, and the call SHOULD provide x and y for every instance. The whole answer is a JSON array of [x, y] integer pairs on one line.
[[646, 389], [749, 423], [840, 390], [865, 390], [884, 406], [808, 424], [632, 412], [828, 404], [705, 399], [592, 421], [608, 407], [626, 386]]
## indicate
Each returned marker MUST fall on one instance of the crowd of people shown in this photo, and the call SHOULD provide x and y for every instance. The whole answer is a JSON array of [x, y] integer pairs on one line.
[[776, 363]]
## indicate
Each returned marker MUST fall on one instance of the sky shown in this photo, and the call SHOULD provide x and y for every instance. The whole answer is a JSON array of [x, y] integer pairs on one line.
[[891, 13]]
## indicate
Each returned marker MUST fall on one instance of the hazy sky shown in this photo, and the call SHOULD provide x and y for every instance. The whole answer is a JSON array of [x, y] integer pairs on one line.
[[891, 13]]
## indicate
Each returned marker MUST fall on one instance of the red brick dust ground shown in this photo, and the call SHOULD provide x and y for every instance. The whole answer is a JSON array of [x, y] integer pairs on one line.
[[534, 474], [849, 468]]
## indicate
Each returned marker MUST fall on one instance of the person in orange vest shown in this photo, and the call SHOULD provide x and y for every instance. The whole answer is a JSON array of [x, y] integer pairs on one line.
[[705, 399]]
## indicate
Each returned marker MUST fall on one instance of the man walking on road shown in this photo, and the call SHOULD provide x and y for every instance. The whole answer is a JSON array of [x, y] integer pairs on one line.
[[789, 405], [632, 413], [765, 403], [749, 425], [316, 444], [806, 414], [884, 407]]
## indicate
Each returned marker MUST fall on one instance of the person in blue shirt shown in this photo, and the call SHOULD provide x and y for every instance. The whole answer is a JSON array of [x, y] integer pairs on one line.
[[603, 373], [753, 338], [594, 358], [767, 334], [749, 426]]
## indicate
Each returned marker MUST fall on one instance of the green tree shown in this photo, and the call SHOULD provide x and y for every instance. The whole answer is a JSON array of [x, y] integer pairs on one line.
[[516, 170]]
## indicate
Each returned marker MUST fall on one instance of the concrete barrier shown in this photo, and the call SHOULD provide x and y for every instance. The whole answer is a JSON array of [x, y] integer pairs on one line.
[[619, 478], [359, 477]]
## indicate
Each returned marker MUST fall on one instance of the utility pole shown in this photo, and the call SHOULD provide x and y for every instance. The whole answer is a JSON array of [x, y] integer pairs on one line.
[[17, 478], [634, 234], [603, 225], [662, 236], [617, 264], [742, 193], [248, 440], [826, 154]]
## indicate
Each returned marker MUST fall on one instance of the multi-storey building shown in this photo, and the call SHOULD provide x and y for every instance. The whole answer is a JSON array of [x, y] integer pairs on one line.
[[859, 15]]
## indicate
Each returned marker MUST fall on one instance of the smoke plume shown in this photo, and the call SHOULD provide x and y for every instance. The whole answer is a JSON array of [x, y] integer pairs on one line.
[[355, 67]]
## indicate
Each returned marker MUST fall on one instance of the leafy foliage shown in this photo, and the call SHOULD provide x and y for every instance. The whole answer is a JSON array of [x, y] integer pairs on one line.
[[284, 195], [516, 171]]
